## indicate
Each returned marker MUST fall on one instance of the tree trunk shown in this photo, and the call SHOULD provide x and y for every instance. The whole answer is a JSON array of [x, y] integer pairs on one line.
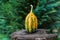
[[40, 34]]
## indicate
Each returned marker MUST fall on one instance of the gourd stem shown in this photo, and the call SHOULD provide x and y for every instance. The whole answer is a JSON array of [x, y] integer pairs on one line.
[[31, 7]]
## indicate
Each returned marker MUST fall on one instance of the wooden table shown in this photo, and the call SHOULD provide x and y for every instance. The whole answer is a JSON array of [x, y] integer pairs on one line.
[[40, 34]]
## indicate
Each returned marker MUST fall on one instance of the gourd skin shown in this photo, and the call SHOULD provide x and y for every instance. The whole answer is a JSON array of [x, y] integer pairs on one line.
[[31, 22]]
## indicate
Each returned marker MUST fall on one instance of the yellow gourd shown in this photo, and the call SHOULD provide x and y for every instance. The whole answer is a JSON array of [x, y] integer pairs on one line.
[[31, 21]]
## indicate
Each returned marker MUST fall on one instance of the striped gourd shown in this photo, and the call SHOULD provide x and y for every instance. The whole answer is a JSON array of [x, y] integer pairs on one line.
[[31, 22]]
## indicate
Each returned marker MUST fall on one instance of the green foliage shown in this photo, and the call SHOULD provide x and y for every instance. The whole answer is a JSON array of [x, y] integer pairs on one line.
[[58, 38], [47, 13], [4, 37]]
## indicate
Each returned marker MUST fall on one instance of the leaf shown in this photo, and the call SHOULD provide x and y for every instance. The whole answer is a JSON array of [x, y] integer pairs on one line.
[[51, 12], [54, 4]]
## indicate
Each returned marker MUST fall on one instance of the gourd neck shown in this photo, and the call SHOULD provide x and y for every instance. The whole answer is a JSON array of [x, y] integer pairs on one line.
[[31, 8]]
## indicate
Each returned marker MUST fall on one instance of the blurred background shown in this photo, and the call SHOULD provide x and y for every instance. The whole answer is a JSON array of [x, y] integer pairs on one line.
[[13, 13]]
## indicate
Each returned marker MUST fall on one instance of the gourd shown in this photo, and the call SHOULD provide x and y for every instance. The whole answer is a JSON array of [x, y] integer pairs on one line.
[[31, 22]]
